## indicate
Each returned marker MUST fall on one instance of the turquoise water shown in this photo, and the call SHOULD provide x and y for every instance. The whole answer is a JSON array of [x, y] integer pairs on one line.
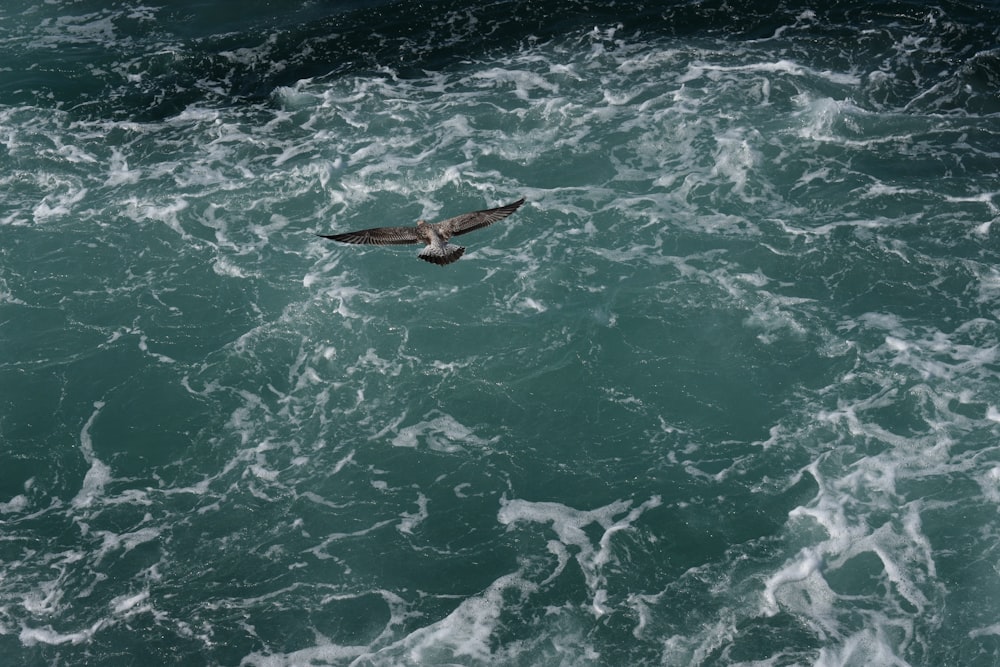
[[724, 391]]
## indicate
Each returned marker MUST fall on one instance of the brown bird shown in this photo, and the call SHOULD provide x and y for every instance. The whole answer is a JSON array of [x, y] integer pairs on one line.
[[434, 235]]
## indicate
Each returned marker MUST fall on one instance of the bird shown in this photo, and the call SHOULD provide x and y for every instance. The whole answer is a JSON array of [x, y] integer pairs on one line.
[[434, 234]]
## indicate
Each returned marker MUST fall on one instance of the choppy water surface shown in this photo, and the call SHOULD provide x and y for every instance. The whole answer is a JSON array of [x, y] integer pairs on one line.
[[723, 392]]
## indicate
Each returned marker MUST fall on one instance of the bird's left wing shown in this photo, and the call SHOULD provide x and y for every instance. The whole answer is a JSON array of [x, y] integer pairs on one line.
[[468, 222], [377, 236]]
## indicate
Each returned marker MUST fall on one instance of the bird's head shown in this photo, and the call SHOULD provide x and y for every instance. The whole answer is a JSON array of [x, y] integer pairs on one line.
[[421, 222]]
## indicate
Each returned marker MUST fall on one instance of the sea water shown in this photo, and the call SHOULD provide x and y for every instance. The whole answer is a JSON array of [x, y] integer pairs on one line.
[[724, 391]]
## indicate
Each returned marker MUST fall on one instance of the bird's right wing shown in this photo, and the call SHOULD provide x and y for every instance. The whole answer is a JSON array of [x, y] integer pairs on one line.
[[377, 236], [468, 222]]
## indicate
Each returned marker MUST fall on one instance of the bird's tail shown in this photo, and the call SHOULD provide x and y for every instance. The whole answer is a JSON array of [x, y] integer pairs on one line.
[[441, 256]]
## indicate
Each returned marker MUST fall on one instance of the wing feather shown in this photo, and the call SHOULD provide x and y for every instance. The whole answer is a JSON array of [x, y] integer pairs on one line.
[[468, 222], [377, 236]]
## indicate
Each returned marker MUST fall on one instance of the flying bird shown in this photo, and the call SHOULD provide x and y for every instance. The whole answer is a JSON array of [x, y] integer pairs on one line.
[[434, 234]]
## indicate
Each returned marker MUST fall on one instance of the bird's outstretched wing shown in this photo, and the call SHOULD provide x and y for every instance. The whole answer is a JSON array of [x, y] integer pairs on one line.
[[377, 236], [468, 222]]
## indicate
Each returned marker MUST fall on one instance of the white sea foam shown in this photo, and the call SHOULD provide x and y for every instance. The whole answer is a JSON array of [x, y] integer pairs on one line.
[[224, 267], [15, 504], [806, 566], [46, 635], [127, 604], [466, 632], [59, 204], [896, 545], [98, 474], [126, 541], [119, 172], [569, 523], [411, 520], [699, 70], [165, 213], [442, 433]]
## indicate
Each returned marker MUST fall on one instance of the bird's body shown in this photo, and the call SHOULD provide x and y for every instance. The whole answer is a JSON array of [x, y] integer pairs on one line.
[[434, 236]]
